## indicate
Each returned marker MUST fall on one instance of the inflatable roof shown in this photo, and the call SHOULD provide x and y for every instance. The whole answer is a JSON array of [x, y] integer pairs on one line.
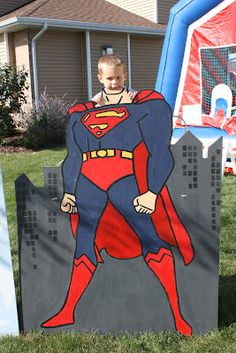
[[182, 15]]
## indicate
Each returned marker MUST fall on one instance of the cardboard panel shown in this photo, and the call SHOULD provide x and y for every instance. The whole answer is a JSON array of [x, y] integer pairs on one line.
[[8, 309], [110, 284]]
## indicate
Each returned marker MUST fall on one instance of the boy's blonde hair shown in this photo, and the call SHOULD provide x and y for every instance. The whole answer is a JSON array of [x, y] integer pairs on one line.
[[111, 60]]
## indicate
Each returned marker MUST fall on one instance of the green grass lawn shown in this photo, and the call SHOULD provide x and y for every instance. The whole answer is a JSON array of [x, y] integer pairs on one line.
[[222, 340]]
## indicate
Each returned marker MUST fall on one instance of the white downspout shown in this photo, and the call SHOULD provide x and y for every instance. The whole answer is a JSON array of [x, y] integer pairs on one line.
[[129, 59], [88, 60], [35, 69]]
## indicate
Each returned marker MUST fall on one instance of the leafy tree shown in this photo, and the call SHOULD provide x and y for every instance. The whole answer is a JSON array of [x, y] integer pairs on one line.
[[13, 85]]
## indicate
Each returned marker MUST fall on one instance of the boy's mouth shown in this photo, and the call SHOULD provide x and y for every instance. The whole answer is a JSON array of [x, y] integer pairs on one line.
[[116, 87]]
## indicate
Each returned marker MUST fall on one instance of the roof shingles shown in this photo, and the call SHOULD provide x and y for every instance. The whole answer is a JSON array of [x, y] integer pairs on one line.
[[91, 11]]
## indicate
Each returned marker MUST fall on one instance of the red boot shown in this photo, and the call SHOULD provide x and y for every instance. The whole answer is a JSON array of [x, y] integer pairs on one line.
[[82, 273], [162, 265]]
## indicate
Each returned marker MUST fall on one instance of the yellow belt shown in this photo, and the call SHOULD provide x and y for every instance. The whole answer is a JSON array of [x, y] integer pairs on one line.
[[107, 153]]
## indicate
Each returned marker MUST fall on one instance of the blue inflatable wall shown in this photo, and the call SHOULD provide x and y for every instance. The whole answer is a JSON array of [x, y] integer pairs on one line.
[[183, 14]]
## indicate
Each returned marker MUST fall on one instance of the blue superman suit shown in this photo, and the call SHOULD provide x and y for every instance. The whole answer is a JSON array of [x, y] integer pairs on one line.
[[100, 168]]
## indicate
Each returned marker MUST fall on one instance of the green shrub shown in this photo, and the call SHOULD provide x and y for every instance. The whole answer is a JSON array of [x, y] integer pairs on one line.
[[45, 127], [12, 95]]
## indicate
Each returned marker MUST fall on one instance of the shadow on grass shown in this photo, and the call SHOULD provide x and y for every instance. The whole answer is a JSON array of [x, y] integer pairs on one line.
[[227, 302]]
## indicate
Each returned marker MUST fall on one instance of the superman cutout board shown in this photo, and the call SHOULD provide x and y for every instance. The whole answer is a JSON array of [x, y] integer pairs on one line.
[[143, 227], [8, 309]]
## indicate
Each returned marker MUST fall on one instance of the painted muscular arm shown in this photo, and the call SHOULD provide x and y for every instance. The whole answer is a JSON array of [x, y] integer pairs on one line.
[[71, 168], [156, 128]]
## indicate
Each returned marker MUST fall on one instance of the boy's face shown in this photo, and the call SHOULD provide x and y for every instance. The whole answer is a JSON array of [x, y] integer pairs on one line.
[[112, 78]]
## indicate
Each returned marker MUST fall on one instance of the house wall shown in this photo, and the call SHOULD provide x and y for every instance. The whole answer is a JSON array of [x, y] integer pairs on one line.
[[145, 53], [61, 60], [100, 39], [154, 10], [60, 64], [84, 66], [11, 49], [145, 57], [8, 6], [22, 56], [142, 8], [21, 43], [3, 49], [164, 9], [3, 58]]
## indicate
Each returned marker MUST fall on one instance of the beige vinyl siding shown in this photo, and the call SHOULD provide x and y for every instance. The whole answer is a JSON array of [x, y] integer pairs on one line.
[[10, 5], [98, 40], [164, 9], [84, 66], [21, 43], [22, 56], [145, 55], [2, 50], [141, 8], [59, 62], [11, 48]]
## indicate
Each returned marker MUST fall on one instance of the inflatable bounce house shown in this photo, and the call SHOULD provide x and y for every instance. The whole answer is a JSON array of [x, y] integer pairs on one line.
[[197, 73]]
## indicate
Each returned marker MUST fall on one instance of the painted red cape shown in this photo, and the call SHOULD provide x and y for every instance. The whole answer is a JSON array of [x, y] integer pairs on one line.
[[113, 232]]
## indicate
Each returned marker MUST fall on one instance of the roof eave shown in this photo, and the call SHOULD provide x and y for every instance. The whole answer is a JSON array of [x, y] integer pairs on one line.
[[15, 22]]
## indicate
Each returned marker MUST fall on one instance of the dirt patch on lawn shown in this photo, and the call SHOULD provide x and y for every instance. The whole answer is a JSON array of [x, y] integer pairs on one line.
[[13, 144]]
